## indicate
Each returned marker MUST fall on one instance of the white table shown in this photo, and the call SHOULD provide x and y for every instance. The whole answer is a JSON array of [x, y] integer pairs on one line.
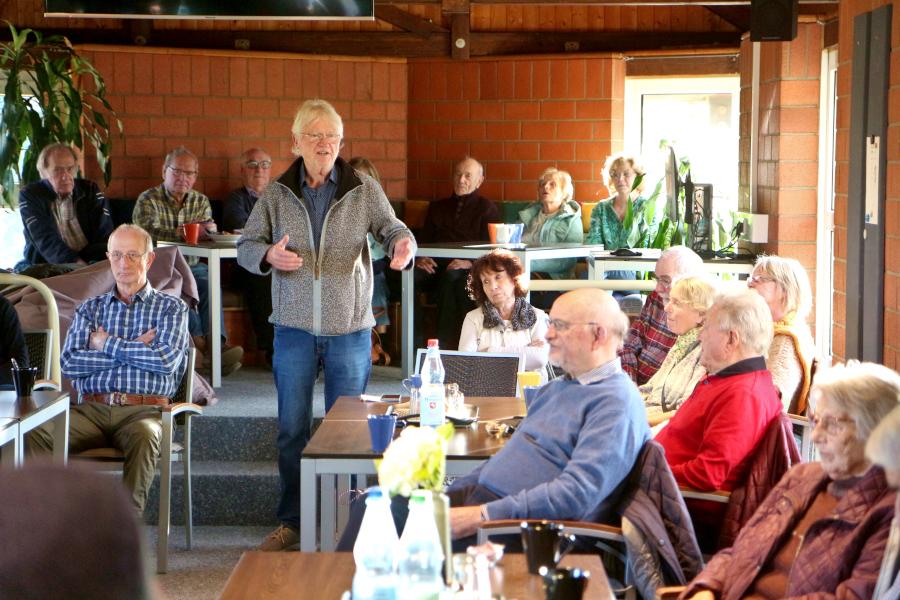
[[470, 251], [11, 455], [599, 262], [30, 413], [214, 252]]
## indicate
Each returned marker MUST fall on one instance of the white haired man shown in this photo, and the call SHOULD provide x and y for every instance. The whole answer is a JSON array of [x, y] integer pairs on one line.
[[66, 218], [649, 339]]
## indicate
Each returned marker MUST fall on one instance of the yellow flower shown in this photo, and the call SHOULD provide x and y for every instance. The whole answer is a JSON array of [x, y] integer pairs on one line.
[[415, 460]]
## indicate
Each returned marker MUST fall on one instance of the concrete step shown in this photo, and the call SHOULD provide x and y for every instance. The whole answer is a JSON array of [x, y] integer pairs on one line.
[[239, 439], [238, 493]]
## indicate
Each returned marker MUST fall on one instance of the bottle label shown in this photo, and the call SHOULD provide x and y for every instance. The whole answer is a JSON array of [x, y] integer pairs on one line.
[[432, 405]]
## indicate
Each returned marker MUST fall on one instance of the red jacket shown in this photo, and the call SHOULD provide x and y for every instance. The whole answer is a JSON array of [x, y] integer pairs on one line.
[[710, 439], [840, 555]]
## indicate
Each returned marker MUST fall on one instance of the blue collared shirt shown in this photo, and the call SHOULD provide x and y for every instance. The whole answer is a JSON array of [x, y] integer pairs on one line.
[[318, 200], [124, 364]]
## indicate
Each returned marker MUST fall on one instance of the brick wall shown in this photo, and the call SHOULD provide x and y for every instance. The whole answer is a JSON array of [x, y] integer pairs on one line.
[[788, 140], [517, 116], [218, 104], [849, 9]]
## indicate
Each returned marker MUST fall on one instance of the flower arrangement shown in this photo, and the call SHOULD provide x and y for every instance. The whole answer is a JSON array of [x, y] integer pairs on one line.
[[415, 460]]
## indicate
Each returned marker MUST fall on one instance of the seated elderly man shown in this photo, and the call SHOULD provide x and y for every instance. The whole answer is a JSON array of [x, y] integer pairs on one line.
[[649, 339], [66, 218], [125, 354], [580, 439], [719, 425], [162, 210], [463, 217]]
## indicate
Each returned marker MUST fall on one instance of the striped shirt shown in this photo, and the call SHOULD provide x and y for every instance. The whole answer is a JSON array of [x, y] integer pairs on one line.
[[158, 213], [124, 364]]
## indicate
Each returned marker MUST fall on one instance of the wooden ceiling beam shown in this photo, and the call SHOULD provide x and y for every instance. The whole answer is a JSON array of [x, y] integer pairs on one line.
[[608, 2], [737, 16], [406, 21], [403, 44]]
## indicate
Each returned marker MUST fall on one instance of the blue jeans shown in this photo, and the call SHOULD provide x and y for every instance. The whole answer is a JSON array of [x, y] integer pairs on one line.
[[299, 355], [198, 320]]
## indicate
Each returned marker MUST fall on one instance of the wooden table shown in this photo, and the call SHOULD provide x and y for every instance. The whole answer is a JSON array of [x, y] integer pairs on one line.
[[340, 448], [31, 412], [326, 576], [213, 252]]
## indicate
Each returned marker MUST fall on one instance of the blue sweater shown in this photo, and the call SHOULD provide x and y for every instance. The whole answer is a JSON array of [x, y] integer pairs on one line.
[[570, 455]]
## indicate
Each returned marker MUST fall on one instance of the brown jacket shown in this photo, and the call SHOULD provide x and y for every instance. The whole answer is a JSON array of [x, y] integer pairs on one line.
[[840, 556], [773, 456]]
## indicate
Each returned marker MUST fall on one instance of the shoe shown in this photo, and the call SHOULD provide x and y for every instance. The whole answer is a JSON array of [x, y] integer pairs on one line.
[[231, 355], [230, 368], [280, 540]]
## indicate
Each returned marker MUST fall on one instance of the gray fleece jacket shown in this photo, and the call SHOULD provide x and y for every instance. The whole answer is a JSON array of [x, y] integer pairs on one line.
[[331, 294]]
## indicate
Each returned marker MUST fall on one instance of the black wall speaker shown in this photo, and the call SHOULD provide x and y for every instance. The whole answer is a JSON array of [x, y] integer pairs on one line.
[[773, 20]]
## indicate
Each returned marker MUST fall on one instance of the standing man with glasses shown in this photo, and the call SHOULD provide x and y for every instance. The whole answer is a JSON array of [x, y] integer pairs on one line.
[[66, 218], [649, 339], [125, 354], [162, 211], [309, 231], [256, 171]]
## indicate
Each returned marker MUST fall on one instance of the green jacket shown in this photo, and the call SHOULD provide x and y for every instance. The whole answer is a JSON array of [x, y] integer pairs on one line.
[[564, 227]]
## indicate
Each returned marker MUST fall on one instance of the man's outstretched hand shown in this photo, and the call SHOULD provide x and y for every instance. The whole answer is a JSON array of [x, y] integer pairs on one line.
[[281, 258], [403, 253]]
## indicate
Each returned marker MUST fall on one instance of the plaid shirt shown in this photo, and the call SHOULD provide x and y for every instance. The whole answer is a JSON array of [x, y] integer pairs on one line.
[[648, 341], [126, 365], [157, 212]]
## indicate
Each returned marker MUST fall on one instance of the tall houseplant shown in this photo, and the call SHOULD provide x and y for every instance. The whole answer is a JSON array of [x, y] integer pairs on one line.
[[51, 94]]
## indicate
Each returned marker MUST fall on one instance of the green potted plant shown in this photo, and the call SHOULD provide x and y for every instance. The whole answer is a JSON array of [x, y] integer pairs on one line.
[[51, 94]]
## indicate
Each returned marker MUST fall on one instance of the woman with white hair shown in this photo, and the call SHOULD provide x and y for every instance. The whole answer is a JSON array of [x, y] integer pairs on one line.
[[554, 219], [670, 386], [784, 285], [883, 449], [821, 532]]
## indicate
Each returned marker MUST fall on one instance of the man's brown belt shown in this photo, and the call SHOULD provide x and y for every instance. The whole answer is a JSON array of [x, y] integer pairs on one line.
[[123, 399]]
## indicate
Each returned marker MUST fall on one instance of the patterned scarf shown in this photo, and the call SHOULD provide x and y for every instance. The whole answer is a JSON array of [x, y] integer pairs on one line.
[[523, 315]]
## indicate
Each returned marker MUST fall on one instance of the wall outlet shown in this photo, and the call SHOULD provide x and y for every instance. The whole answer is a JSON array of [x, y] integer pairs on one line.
[[755, 227]]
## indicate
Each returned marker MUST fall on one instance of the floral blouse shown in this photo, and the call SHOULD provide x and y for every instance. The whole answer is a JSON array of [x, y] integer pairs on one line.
[[606, 228]]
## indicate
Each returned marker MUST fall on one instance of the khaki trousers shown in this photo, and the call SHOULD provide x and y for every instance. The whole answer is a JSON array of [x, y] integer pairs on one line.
[[135, 430]]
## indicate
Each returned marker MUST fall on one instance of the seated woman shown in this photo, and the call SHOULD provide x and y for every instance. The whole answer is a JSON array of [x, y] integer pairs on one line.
[[822, 530], [784, 285], [504, 321], [689, 299], [883, 449], [554, 219], [620, 173]]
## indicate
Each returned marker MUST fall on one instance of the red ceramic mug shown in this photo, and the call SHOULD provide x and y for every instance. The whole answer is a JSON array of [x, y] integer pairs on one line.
[[190, 232]]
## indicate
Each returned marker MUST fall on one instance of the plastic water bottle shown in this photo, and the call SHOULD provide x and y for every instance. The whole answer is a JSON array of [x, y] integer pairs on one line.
[[420, 560], [432, 403], [375, 550]]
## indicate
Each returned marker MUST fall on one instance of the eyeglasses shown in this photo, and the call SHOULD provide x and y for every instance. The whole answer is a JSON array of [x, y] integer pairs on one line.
[[831, 425], [664, 280], [58, 171], [181, 172], [132, 257], [754, 279], [562, 326], [618, 174], [331, 138], [258, 164]]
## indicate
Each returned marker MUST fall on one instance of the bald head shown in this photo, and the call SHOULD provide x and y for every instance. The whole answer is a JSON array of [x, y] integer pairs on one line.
[[586, 330]]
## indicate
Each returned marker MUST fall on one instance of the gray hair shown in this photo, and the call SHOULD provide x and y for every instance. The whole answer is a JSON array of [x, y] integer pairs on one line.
[[136, 229], [866, 392], [883, 447], [48, 151], [746, 313], [791, 277], [312, 110], [685, 261], [180, 151], [245, 155], [568, 190]]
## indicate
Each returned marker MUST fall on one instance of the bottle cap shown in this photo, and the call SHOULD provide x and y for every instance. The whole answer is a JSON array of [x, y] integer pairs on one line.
[[374, 493], [419, 496], [433, 343]]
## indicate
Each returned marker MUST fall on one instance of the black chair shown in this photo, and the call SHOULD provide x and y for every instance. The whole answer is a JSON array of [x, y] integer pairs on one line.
[[37, 341], [479, 373]]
